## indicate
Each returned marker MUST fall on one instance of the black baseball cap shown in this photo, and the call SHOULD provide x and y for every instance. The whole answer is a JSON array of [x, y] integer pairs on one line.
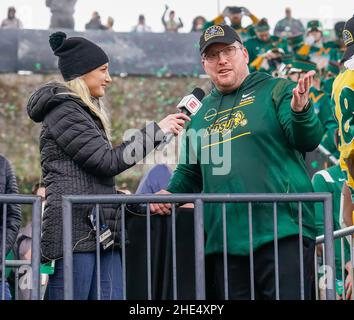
[[338, 28], [234, 10], [314, 25], [262, 26], [348, 33], [218, 34]]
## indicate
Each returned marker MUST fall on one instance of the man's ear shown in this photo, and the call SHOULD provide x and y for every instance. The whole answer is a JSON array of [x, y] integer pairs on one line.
[[245, 53]]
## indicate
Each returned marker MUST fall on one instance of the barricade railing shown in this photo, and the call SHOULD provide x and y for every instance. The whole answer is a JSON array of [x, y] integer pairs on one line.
[[345, 236], [35, 201], [331, 159], [198, 200]]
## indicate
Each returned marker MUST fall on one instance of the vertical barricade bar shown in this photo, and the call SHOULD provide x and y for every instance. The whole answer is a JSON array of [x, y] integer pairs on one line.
[[342, 257], [174, 252], [301, 253], [251, 250], [124, 273], [276, 255], [199, 249], [16, 283], [316, 274], [324, 266], [36, 252], [3, 250], [224, 229], [148, 249], [67, 248], [329, 248], [98, 251]]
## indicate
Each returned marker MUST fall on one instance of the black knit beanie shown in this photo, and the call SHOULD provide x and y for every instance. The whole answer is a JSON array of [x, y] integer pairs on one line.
[[77, 55]]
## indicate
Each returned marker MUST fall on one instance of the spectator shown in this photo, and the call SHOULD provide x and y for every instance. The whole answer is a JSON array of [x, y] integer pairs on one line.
[[343, 96], [110, 23], [171, 25], [337, 45], [95, 22], [62, 13], [331, 180], [265, 51], [141, 26], [313, 47], [256, 124], [23, 247], [11, 22], [332, 71], [288, 26], [8, 185], [314, 34], [235, 16], [198, 24], [77, 157], [295, 43], [323, 107]]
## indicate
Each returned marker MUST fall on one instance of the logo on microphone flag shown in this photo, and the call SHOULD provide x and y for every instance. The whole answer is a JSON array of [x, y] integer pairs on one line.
[[191, 103]]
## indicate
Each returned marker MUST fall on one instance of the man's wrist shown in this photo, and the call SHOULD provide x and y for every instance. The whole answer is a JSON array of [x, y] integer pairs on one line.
[[305, 108]]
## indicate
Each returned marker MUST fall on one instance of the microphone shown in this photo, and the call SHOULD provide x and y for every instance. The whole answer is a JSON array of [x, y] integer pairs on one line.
[[189, 105]]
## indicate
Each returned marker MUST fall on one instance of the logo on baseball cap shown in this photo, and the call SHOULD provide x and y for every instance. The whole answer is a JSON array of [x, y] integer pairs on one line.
[[348, 39], [218, 34]]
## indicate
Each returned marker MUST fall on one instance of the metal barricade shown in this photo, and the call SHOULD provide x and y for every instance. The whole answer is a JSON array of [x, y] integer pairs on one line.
[[35, 201], [320, 241], [198, 200], [331, 159]]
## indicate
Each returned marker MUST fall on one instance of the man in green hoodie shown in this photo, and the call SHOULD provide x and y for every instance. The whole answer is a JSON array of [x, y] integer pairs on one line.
[[248, 137]]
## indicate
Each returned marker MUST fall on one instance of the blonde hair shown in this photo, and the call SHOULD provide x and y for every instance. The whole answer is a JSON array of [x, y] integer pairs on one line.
[[79, 88]]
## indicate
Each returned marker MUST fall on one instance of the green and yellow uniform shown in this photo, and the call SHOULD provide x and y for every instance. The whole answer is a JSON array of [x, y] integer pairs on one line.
[[319, 52], [325, 112], [257, 49], [295, 43], [327, 85], [249, 141], [343, 95], [332, 72], [331, 180], [336, 50]]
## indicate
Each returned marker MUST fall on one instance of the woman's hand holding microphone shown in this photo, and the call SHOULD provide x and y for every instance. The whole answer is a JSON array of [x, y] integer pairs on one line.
[[173, 123]]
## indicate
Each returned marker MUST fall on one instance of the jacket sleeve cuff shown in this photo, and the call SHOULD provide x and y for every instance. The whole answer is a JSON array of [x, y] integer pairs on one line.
[[303, 115]]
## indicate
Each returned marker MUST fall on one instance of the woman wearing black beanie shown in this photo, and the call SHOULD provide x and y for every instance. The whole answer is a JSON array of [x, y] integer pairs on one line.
[[77, 158]]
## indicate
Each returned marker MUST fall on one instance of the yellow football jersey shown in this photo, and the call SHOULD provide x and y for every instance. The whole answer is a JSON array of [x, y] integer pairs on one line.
[[343, 95]]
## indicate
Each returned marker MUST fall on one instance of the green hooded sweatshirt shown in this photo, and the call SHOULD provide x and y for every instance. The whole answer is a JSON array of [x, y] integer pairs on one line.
[[249, 141]]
